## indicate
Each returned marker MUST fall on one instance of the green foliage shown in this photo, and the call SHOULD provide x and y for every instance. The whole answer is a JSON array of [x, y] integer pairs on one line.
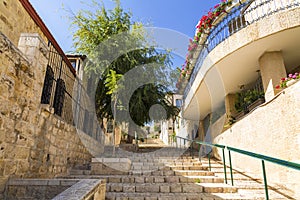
[[157, 128], [173, 136], [111, 82], [115, 45], [197, 180], [246, 98], [231, 121]]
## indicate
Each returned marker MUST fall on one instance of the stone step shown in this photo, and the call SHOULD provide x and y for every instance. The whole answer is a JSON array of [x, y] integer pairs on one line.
[[149, 168], [188, 167], [152, 179], [193, 173], [171, 196], [135, 167], [163, 160], [184, 164], [205, 179], [79, 172], [170, 187], [163, 177], [217, 188], [154, 187]]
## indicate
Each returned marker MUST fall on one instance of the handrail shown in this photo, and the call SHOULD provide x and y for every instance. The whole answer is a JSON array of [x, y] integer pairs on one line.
[[284, 163], [201, 142], [262, 157], [209, 156], [238, 17]]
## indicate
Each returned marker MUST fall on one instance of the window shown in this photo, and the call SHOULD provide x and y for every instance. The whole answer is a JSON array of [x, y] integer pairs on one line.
[[73, 63], [59, 97], [46, 94]]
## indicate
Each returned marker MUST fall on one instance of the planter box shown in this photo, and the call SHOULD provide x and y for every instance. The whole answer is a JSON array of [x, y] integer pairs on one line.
[[252, 106], [256, 103], [239, 115]]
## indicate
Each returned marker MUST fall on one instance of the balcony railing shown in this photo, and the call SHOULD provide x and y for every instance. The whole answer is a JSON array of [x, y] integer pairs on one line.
[[238, 17]]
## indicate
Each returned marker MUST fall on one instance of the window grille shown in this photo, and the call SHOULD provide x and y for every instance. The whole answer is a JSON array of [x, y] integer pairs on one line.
[[59, 97], [47, 88]]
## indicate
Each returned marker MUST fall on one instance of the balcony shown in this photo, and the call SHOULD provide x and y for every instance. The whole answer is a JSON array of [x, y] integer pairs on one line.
[[229, 56]]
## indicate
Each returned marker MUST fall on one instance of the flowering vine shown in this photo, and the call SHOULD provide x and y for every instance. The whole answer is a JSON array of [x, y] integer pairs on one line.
[[206, 21], [204, 24], [283, 81]]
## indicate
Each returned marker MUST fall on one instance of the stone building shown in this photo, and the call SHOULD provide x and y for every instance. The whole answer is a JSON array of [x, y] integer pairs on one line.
[[169, 127], [45, 128]]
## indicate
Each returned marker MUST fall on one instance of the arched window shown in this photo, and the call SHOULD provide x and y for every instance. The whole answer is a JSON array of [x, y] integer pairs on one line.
[[59, 97], [47, 88]]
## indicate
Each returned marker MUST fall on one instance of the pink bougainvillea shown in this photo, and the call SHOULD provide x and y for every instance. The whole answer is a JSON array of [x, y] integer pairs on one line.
[[204, 24]]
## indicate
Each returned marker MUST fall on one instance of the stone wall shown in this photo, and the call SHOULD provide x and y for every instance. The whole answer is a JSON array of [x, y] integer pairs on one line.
[[15, 20], [85, 189], [34, 142], [273, 129], [36, 188]]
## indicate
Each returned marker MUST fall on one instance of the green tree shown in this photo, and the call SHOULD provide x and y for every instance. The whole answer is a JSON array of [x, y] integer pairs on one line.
[[102, 35]]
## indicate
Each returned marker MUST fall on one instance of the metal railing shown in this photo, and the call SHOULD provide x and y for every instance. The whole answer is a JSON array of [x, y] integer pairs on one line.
[[65, 93], [239, 17], [261, 157]]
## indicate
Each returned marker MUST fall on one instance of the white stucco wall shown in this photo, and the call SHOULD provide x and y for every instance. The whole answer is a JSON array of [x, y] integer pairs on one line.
[[273, 130]]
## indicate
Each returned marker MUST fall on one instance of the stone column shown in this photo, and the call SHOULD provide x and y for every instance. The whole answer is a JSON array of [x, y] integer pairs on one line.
[[230, 109], [36, 52], [272, 70], [229, 104], [201, 132]]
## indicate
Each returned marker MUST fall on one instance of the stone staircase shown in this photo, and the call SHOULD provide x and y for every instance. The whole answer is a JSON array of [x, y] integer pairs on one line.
[[165, 175]]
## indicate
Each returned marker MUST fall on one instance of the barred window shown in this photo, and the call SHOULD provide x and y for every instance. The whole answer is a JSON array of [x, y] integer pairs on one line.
[[47, 88], [59, 97]]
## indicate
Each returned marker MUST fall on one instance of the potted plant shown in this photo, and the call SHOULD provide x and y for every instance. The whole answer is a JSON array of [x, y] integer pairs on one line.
[[288, 81], [248, 100]]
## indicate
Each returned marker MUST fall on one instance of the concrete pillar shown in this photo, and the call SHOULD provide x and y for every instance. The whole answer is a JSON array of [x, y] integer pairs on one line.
[[201, 130], [230, 109], [272, 70], [229, 105]]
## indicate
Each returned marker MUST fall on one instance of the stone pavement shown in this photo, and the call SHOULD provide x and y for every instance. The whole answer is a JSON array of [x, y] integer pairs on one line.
[[168, 173]]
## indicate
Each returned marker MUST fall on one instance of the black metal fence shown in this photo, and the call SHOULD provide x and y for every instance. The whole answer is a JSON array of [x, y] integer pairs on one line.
[[66, 94], [239, 17]]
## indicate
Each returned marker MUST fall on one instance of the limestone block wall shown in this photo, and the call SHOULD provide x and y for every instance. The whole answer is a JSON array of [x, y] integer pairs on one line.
[[34, 142], [14, 20], [273, 129]]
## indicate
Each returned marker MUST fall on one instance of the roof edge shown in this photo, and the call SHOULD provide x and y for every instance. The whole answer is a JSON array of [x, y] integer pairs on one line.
[[39, 22]]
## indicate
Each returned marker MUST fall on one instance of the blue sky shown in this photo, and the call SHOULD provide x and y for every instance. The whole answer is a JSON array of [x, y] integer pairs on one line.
[[176, 15]]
